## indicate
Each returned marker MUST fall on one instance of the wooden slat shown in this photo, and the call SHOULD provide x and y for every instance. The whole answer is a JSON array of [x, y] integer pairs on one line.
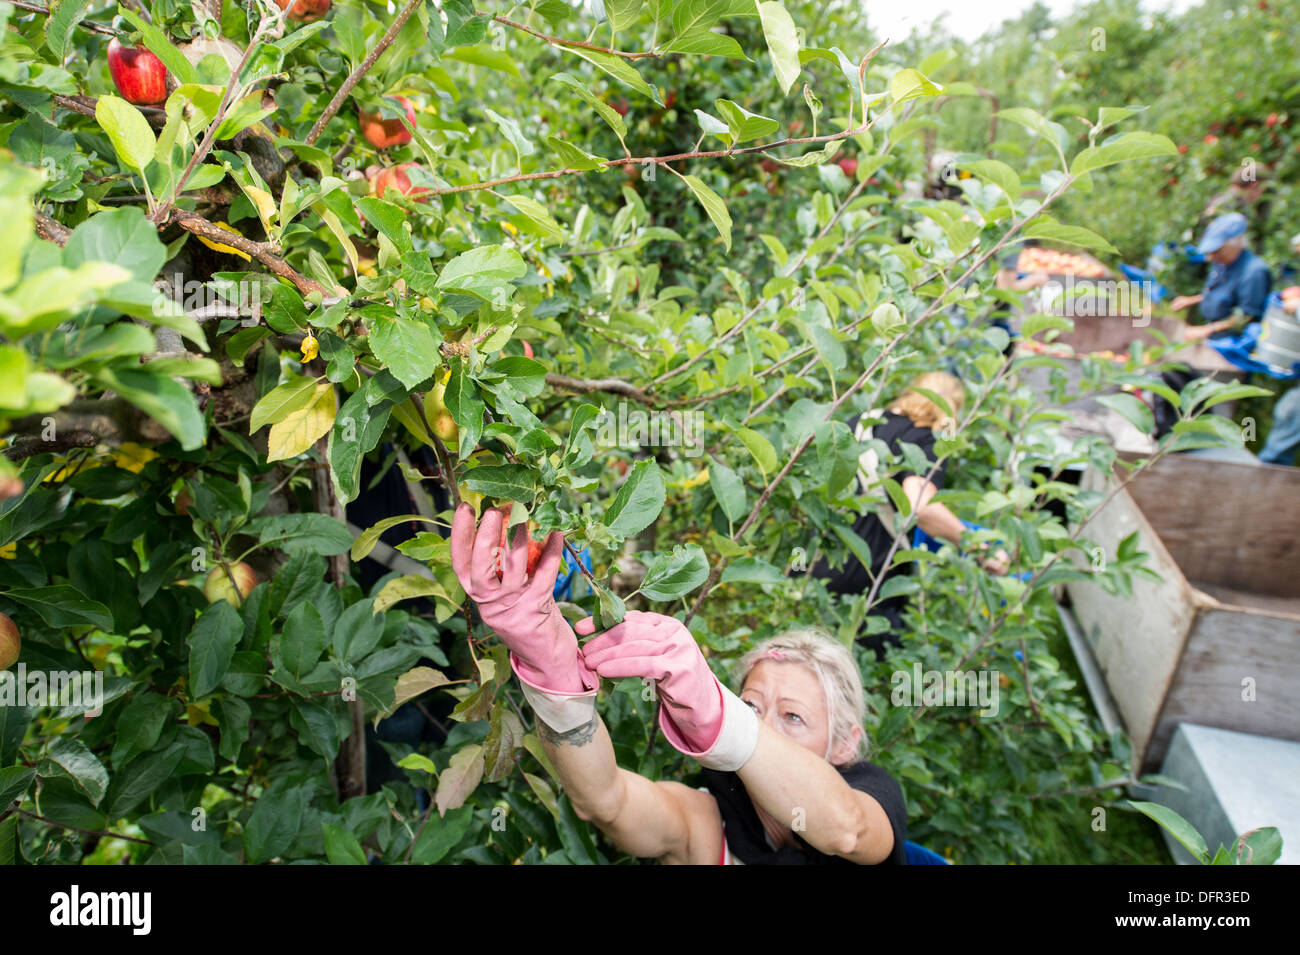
[[1225, 648], [1226, 524], [1137, 640]]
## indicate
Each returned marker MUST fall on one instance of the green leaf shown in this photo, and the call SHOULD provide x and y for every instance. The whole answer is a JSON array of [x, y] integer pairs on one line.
[[638, 502], [782, 42], [212, 646], [273, 826], [742, 124], [714, 206], [441, 837], [1136, 145], [87, 773], [910, 84], [62, 606], [62, 21], [406, 346], [729, 490], [1131, 408], [1176, 826], [511, 482], [616, 67], [317, 533], [603, 109], [1045, 227], [674, 575], [303, 639], [129, 131], [316, 728], [752, 570], [998, 173], [1054, 133], [165, 400], [139, 725], [481, 271], [342, 847], [761, 448], [14, 783]]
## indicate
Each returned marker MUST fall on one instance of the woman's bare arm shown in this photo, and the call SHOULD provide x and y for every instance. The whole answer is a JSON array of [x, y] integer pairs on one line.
[[650, 820], [801, 790]]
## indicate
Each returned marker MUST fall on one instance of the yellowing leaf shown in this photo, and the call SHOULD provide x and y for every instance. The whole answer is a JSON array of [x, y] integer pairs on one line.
[[133, 457], [310, 348], [9, 551], [300, 429], [222, 247]]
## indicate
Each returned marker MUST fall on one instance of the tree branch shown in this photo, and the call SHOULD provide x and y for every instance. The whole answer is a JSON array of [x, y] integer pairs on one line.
[[611, 385], [385, 41], [264, 252], [89, 26]]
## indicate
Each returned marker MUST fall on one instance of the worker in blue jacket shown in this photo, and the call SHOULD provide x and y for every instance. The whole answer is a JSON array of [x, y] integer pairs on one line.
[[1239, 282]]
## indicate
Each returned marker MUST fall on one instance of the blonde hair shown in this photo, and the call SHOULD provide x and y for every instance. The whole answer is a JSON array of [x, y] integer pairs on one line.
[[924, 412], [837, 672]]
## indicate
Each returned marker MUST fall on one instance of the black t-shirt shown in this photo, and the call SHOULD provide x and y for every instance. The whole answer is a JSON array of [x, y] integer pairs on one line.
[[852, 578], [748, 840]]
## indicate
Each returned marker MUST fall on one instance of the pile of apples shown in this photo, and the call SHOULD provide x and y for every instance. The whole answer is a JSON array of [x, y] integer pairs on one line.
[[1059, 263]]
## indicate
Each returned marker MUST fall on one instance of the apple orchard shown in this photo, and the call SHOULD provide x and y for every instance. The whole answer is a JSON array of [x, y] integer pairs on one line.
[[471, 230]]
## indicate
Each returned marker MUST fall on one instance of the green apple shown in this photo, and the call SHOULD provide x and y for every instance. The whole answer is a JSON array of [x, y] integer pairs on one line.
[[218, 585], [10, 643]]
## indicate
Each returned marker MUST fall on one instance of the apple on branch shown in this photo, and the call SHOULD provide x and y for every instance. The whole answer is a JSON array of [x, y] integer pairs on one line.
[[399, 178], [305, 11], [11, 643], [218, 585], [383, 133], [138, 75]]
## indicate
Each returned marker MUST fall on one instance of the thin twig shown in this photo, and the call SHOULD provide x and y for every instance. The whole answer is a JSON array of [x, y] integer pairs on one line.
[[355, 76]]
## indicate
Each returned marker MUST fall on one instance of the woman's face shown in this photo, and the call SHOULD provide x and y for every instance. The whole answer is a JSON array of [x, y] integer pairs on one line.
[[788, 697]]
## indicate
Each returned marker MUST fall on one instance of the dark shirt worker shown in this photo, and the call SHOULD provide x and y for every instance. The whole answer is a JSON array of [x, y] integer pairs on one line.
[[1239, 280]]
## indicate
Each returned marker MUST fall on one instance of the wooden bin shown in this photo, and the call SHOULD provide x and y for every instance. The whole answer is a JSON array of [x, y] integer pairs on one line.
[[1217, 641]]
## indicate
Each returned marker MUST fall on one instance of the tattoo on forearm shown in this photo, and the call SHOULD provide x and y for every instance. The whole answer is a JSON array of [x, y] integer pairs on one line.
[[579, 736]]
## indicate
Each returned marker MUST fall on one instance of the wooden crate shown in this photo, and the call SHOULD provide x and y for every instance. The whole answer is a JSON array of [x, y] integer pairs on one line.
[[1223, 623]]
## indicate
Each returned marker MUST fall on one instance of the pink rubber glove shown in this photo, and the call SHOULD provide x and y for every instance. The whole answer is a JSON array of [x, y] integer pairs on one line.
[[518, 608], [700, 717]]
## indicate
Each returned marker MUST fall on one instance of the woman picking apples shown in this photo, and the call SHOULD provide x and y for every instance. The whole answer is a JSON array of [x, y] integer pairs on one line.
[[783, 761]]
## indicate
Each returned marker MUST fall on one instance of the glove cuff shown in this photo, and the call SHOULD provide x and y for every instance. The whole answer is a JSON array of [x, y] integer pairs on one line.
[[732, 745], [560, 710]]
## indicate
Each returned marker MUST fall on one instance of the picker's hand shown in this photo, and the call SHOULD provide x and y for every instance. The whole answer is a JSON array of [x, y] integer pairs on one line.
[[699, 717], [519, 607]]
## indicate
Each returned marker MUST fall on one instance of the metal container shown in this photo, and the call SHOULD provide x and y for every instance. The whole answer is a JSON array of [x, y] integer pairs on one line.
[[1279, 338]]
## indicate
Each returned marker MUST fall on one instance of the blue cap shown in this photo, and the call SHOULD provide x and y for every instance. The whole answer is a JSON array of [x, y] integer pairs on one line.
[[1226, 227]]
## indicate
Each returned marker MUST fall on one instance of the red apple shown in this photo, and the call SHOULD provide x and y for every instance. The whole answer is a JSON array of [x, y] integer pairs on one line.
[[620, 106], [138, 75], [769, 165], [849, 165], [1271, 121], [305, 10], [10, 643], [218, 586], [535, 548], [670, 99], [397, 177], [528, 349], [383, 133], [1210, 139]]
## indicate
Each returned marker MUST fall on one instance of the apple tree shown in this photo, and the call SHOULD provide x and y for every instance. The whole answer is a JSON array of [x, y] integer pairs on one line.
[[221, 312]]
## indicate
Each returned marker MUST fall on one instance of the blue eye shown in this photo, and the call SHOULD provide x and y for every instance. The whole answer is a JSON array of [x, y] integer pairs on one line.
[[795, 717]]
